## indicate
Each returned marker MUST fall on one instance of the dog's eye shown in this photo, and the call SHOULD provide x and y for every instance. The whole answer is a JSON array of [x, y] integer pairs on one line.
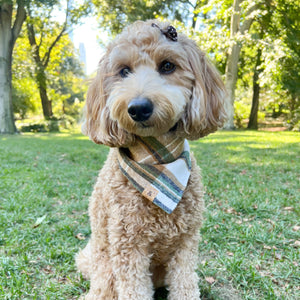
[[166, 67], [125, 72]]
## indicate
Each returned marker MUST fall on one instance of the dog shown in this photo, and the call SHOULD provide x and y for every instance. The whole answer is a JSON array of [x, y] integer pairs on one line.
[[153, 91]]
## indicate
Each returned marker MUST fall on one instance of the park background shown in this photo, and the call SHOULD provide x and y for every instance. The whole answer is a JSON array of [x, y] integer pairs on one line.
[[250, 247]]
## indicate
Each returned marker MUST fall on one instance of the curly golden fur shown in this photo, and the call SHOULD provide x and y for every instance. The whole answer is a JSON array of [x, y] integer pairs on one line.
[[135, 246]]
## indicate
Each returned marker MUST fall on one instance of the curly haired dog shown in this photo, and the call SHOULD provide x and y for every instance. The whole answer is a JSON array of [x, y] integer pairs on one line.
[[153, 90]]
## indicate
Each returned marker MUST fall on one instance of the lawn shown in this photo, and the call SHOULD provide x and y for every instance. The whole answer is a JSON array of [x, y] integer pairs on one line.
[[250, 239]]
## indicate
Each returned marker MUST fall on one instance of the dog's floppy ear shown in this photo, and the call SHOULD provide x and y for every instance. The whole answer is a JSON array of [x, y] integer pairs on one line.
[[206, 111], [97, 123]]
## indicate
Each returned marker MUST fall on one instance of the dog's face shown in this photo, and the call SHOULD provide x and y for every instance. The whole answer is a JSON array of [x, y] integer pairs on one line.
[[148, 84]]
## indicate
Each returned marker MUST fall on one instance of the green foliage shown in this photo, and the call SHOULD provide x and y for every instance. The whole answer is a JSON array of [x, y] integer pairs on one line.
[[242, 112], [23, 95], [275, 31], [248, 248], [113, 15], [65, 81]]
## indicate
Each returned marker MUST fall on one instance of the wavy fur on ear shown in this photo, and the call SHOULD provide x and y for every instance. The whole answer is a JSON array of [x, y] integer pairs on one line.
[[206, 111], [97, 124]]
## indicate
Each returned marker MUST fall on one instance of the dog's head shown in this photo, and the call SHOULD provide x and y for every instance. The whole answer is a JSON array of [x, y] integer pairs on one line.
[[150, 82]]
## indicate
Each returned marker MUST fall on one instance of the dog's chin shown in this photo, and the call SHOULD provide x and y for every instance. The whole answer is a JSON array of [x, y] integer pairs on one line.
[[145, 129]]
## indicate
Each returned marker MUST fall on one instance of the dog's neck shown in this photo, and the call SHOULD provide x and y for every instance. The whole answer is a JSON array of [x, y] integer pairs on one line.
[[157, 150]]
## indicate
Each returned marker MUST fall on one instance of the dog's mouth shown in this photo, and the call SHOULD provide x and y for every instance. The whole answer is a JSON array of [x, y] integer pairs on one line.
[[145, 125], [148, 126]]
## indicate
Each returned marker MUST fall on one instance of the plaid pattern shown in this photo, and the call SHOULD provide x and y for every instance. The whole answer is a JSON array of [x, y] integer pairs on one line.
[[158, 168]]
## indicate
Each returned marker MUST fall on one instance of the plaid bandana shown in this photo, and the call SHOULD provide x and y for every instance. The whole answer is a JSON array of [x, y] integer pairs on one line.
[[159, 168]]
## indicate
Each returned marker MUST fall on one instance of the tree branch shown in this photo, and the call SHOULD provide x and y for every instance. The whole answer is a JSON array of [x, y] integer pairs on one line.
[[248, 20], [19, 20], [31, 35], [46, 57], [48, 53], [32, 42]]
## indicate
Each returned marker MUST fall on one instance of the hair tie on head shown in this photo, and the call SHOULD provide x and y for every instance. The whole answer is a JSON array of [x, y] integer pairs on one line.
[[169, 33]]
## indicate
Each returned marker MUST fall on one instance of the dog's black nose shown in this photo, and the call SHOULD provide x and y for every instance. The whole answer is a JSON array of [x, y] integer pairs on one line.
[[140, 109]]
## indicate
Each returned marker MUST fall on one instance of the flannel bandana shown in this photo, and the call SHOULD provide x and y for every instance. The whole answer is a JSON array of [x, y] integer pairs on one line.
[[158, 170]]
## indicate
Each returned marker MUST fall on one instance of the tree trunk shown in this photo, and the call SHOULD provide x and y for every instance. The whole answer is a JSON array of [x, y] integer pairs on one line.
[[231, 71], [252, 124], [7, 123], [8, 36], [42, 85], [40, 74]]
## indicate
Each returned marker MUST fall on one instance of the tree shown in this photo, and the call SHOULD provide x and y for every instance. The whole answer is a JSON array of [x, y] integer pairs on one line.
[[256, 89], [278, 31], [44, 33], [41, 53], [288, 12], [66, 84], [10, 28], [114, 14], [239, 25]]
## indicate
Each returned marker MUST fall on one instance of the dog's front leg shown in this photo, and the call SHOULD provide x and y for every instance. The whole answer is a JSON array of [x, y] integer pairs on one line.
[[182, 279], [130, 263]]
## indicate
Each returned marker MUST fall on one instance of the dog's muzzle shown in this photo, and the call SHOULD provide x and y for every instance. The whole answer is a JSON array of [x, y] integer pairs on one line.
[[140, 109]]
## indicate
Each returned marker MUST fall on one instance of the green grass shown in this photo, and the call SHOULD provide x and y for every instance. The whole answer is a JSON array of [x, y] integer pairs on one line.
[[248, 248]]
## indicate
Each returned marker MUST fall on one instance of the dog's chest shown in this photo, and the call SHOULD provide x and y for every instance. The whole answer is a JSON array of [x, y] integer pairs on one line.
[[139, 218]]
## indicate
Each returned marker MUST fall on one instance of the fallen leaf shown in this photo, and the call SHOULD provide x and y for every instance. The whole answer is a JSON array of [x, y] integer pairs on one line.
[[296, 228], [210, 280], [267, 247], [288, 208], [264, 274], [217, 226], [62, 157], [48, 269], [33, 262], [230, 253], [296, 244], [278, 256], [39, 221], [63, 280], [231, 211], [271, 222], [80, 236], [295, 264], [270, 248]]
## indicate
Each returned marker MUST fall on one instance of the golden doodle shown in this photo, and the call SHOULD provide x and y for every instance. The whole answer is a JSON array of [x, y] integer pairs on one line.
[[154, 90]]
